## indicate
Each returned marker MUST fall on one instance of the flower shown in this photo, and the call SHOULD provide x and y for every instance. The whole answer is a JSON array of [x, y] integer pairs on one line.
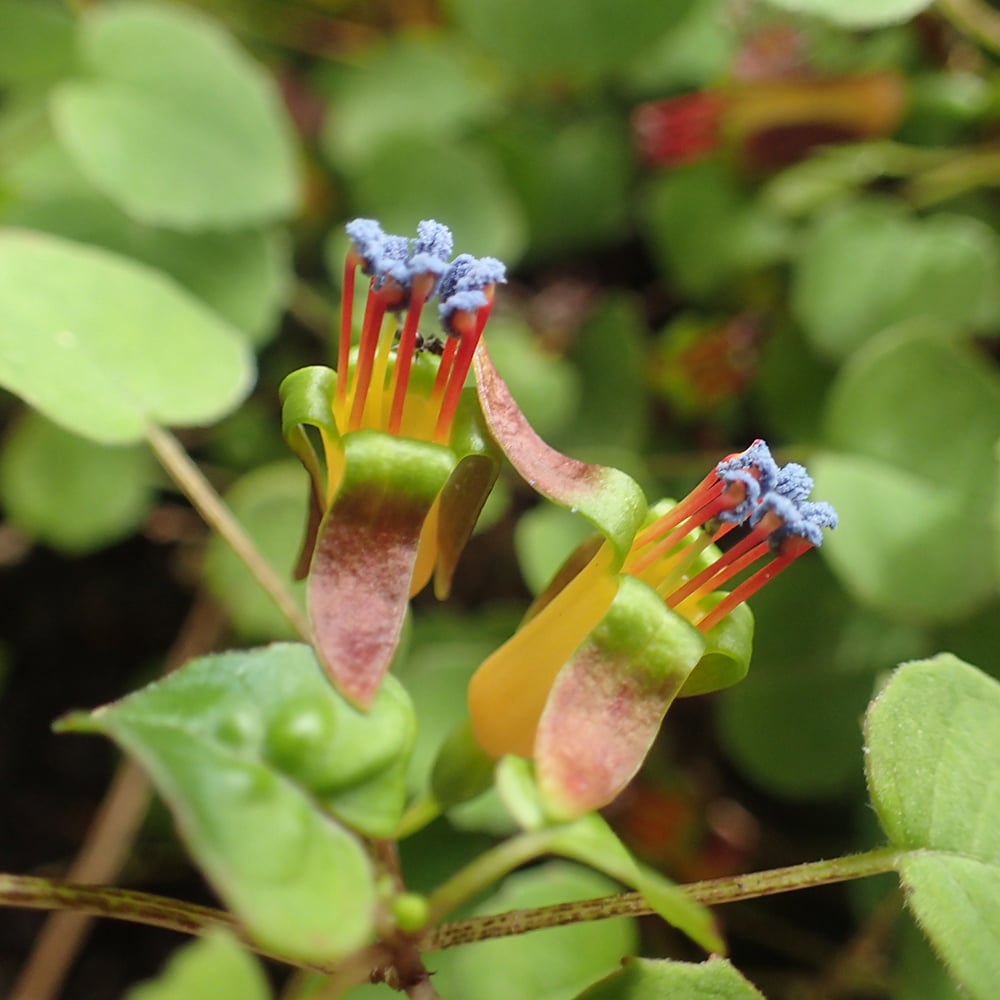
[[404, 465], [637, 617], [769, 123]]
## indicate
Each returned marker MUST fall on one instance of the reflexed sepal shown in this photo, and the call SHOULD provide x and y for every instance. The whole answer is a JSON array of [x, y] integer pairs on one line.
[[608, 701], [728, 647], [612, 501], [366, 552]]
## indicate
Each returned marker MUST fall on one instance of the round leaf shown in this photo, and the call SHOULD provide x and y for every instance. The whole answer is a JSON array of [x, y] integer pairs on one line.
[[42, 465], [270, 503], [868, 264], [857, 13], [216, 966], [551, 964], [409, 179], [104, 346], [176, 124], [412, 86], [36, 43], [914, 420], [577, 38], [244, 276]]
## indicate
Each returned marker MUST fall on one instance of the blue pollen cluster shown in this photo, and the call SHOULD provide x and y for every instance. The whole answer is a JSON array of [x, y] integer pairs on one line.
[[459, 285], [781, 491]]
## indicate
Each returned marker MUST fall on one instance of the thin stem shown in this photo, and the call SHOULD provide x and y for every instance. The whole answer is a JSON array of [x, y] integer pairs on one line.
[[420, 813], [966, 171], [977, 20], [712, 892], [111, 832], [29, 892], [186, 474], [488, 868]]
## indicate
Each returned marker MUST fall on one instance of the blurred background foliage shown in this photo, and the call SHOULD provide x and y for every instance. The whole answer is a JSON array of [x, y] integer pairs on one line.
[[722, 220]]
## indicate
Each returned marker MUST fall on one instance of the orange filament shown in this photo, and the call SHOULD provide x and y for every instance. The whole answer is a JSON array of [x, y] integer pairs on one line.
[[746, 551], [790, 550], [346, 311], [444, 369], [407, 345], [374, 313], [469, 327]]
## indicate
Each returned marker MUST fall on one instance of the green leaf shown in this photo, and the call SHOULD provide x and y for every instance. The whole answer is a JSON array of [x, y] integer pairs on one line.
[[651, 979], [247, 748], [611, 355], [460, 186], [244, 276], [704, 230], [551, 964], [176, 124], [593, 842], [411, 86], [857, 13], [590, 840], [913, 422], [104, 346], [69, 492], [933, 739], [36, 43], [869, 264], [443, 653], [564, 38], [270, 503], [559, 162], [215, 966], [792, 725], [545, 385], [544, 537]]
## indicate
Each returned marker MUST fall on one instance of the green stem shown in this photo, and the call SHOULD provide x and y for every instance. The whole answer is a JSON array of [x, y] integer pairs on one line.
[[189, 918], [488, 868], [419, 814], [966, 171], [186, 474], [33, 893], [631, 904], [977, 20]]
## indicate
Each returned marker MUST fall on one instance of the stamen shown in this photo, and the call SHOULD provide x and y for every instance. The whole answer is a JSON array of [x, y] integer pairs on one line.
[[374, 313], [789, 552], [422, 288], [464, 315], [346, 310]]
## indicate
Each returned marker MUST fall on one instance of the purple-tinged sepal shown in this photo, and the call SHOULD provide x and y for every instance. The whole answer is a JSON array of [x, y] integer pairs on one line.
[[611, 500]]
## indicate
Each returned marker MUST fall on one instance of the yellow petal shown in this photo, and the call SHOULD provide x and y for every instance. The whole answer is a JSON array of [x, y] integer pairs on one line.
[[508, 692]]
